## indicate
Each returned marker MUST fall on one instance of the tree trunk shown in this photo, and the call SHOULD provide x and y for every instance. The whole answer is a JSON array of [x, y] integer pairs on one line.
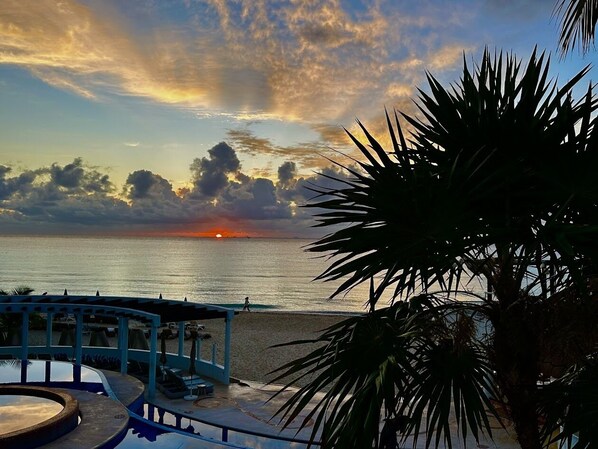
[[516, 356], [525, 418]]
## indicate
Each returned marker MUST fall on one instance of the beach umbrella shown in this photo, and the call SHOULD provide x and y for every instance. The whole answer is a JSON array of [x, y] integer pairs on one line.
[[192, 371], [98, 338], [192, 355], [67, 337], [137, 339], [163, 359]]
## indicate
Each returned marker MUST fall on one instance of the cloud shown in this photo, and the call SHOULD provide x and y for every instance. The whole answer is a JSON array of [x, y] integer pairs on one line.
[[264, 192], [256, 200], [211, 175], [75, 176], [53, 183], [317, 63], [249, 143], [144, 184], [287, 172], [334, 145], [70, 176], [448, 56], [308, 155], [76, 198], [19, 184]]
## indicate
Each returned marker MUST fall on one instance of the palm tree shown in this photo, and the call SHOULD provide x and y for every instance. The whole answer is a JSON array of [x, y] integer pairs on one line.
[[571, 404], [497, 181], [394, 364], [11, 322], [20, 290], [578, 23]]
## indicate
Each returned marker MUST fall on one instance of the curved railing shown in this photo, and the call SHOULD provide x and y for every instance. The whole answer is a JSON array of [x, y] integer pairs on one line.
[[77, 351]]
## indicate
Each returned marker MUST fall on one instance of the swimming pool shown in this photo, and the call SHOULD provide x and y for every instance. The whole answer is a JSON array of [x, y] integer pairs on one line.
[[186, 425], [19, 411], [50, 373], [149, 426], [142, 434]]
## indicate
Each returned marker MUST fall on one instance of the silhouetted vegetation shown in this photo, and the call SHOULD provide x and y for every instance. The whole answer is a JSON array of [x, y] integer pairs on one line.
[[578, 23], [497, 181]]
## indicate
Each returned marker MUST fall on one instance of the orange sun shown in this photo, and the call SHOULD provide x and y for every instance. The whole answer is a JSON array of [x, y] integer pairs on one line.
[[218, 236]]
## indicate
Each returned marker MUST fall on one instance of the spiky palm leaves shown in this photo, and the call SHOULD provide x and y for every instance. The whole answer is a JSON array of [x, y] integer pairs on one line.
[[570, 406], [403, 365], [497, 178], [578, 23], [11, 322], [20, 290]]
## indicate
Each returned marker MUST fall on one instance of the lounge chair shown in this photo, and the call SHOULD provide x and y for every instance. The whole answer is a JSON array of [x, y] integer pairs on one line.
[[177, 385], [173, 387]]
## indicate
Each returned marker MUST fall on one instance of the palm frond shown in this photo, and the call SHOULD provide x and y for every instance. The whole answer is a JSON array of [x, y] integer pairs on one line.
[[501, 160], [570, 407], [451, 380], [400, 363], [363, 363], [578, 23]]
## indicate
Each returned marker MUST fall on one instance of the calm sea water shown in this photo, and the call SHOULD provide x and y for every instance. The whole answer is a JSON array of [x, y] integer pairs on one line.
[[274, 273]]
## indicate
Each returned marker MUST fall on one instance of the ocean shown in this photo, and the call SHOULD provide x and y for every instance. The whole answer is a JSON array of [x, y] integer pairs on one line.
[[276, 274]]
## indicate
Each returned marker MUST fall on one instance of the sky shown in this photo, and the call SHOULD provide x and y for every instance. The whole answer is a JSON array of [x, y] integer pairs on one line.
[[198, 117]]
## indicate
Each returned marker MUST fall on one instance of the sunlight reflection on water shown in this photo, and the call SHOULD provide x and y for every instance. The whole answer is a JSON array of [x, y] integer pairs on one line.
[[19, 411], [272, 272]]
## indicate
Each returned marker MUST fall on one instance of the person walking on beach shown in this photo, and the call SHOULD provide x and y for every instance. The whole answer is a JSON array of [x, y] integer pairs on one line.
[[246, 306]]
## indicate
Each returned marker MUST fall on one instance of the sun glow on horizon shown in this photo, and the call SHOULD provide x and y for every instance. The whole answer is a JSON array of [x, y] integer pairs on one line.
[[221, 231]]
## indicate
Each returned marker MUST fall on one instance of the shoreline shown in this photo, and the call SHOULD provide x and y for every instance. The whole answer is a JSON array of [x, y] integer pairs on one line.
[[343, 313], [267, 308]]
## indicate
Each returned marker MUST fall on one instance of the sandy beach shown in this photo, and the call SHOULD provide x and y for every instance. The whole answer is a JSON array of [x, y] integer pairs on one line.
[[253, 334]]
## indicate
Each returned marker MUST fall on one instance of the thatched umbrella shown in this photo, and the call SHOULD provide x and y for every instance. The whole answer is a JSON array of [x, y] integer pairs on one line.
[[137, 339], [98, 338], [192, 371], [67, 337], [163, 360]]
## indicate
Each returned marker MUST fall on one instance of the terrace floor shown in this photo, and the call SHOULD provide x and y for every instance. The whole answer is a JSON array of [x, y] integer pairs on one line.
[[240, 413], [244, 406], [248, 407]]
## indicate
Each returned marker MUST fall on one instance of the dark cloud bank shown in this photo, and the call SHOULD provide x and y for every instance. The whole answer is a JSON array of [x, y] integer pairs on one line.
[[79, 199]]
